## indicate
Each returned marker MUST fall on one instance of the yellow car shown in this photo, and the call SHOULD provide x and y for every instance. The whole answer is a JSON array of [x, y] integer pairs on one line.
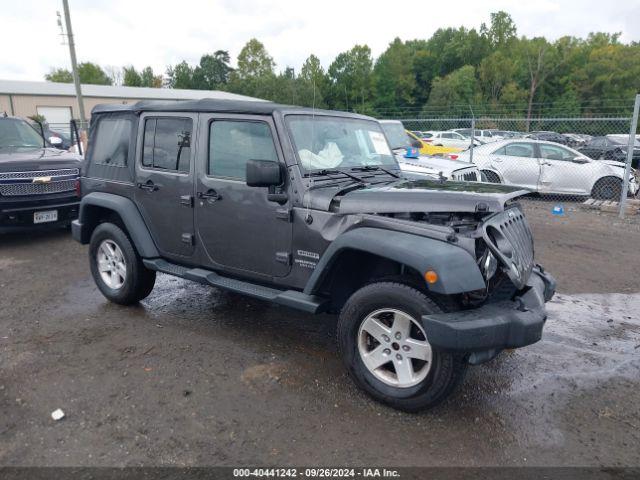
[[427, 149]]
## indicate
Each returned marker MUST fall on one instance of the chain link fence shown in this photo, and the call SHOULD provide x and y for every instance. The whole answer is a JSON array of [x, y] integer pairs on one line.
[[564, 159]]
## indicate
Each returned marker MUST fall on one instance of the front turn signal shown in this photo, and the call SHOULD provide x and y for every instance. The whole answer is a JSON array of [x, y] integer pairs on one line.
[[431, 277]]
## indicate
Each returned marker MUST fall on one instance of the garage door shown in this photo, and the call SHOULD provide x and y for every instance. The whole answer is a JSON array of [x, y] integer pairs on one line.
[[57, 117]]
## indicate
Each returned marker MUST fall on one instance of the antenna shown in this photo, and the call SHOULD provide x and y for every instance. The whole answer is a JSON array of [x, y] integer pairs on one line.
[[307, 217]]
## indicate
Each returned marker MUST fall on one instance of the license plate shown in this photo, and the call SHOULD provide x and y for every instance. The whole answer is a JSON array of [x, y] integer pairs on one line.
[[44, 217]]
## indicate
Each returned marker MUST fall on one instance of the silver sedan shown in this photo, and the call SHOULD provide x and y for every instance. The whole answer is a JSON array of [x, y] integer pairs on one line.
[[549, 168]]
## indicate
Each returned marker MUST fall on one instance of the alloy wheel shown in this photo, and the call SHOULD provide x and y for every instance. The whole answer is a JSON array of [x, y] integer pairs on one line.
[[394, 348], [111, 264]]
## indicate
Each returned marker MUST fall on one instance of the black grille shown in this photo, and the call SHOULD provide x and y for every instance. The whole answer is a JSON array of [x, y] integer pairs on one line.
[[40, 173], [509, 237], [468, 176], [17, 189]]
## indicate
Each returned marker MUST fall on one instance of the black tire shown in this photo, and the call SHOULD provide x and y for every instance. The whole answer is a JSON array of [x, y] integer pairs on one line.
[[139, 280], [607, 188], [492, 177], [447, 368]]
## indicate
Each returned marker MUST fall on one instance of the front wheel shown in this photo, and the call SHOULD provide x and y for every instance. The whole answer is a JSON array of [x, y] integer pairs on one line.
[[387, 352], [607, 188], [116, 266]]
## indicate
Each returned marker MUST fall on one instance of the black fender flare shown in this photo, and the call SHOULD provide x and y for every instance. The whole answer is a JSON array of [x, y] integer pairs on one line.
[[457, 270], [128, 212]]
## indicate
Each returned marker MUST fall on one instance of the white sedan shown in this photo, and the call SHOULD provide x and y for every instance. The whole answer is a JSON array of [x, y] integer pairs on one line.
[[448, 139], [549, 168]]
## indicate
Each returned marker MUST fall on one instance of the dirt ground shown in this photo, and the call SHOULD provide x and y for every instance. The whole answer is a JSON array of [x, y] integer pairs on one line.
[[197, 376]]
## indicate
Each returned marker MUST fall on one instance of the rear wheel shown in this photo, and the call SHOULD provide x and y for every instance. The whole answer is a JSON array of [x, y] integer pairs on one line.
[[492, 177], [116, 266], [607, 188], [387, 352]]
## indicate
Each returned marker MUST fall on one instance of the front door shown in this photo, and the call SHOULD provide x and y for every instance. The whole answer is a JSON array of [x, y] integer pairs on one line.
[[560, 174], [238, 227], [164, 181]]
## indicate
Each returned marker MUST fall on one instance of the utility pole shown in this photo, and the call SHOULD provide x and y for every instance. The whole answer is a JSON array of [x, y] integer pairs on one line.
[[74, 63]]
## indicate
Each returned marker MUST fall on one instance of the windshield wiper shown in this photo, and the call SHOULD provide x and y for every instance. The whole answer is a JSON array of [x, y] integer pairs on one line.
[[333, 171], [372, 168]]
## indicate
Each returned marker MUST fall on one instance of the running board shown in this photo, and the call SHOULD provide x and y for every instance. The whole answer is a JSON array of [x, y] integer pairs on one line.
[[289, 298]]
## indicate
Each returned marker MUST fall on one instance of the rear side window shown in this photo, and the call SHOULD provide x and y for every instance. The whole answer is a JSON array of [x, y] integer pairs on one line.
[[167, 144], [111, 142], [233, 143], [517, 150]]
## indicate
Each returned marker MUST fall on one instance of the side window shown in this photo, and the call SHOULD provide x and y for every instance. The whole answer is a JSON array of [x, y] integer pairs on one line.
[[551, 152], [233, 142], [167, 144], [519, 150], [111, 142], [501, 151], [446, 135]]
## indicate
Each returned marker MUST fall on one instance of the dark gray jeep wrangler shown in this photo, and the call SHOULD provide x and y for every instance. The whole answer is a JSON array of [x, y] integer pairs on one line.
[[308, 209]]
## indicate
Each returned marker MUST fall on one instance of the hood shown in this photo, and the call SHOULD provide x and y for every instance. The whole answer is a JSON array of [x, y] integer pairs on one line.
[[414, 196], [21, 159]]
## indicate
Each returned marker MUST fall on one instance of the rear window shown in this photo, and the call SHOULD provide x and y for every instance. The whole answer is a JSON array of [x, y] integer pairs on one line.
[[111, 142], [167, 144]]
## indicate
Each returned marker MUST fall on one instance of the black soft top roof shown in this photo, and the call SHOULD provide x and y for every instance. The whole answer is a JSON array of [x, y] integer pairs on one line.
[[214, 105]]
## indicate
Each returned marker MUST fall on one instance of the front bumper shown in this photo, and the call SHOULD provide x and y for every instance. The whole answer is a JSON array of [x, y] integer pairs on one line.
[[487, 330], [18, 216]]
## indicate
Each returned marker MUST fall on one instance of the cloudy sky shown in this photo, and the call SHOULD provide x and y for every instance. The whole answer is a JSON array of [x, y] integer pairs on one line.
[[158, 33]]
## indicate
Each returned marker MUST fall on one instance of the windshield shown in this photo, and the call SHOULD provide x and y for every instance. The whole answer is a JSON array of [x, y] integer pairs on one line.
[[324, 142], [15, 133], [396, 135]]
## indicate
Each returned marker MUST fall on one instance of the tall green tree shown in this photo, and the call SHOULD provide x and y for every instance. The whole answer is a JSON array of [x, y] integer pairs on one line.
[[131, 77], [149, 79], [458, 89], [254, 61], [502, 32], [350, 77], [212, 73], [88, 72], [180, 76], [312, 83], [394, 80]]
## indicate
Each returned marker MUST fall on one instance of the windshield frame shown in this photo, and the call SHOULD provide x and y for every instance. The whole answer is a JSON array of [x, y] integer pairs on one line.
[[392, 165], [405, 135]]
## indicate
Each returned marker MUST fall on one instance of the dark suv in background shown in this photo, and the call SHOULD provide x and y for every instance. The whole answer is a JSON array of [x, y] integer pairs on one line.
[[38, 183]]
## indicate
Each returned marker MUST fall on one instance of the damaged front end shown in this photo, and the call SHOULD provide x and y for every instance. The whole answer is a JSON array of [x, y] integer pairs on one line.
[[510, 311]]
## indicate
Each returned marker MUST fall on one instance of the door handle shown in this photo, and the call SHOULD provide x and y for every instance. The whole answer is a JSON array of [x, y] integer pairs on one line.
[[496, 159], [211, 195], [149, 186]]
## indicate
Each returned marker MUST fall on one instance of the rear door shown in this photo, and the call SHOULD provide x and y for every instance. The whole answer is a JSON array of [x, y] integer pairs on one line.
[[164, 180], [239, 228], [518, 164]]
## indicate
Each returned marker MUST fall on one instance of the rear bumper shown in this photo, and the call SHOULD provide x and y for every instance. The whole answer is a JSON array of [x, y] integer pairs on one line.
[[487, 330]]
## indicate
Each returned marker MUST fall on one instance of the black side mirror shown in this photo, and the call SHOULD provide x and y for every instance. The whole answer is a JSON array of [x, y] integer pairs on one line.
[[263, 173]]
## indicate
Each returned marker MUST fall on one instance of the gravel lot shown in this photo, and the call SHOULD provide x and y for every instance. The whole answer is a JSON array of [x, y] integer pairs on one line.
[[197, 376]]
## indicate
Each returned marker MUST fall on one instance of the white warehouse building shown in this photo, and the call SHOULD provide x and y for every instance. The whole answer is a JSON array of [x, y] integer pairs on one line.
[[57, 103]]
